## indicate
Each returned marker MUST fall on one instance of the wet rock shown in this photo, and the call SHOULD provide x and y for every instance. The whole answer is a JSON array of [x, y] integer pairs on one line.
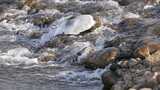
[[102, 58], [69, 26], [109, 78]]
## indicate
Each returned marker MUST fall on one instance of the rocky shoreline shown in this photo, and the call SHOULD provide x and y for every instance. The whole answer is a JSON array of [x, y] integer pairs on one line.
[[122, 36]]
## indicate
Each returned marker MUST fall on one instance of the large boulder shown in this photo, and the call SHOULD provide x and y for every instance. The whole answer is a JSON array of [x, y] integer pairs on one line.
[[76, 25], [70, 26]]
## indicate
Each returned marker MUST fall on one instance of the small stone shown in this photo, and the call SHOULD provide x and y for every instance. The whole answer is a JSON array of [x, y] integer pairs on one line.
[[47, 56], [132, 62]]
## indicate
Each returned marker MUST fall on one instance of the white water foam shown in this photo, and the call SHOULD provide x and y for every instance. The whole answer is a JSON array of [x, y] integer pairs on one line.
[[17, 56], [81, 76]]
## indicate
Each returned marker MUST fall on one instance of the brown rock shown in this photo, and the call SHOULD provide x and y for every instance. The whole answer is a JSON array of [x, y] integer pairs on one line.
[[147, 47], [34, 4], [142, 52], [154, 59], [102, 58]]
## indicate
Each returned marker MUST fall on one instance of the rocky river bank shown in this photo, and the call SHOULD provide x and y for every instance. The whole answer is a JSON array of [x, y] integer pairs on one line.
[[79, 45]]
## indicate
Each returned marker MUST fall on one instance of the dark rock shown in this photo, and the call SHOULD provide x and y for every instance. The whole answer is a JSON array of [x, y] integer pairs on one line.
[[109, 78], [123, 2]]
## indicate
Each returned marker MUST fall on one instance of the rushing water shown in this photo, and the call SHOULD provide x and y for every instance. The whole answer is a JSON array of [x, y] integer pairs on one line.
[[18, 72]]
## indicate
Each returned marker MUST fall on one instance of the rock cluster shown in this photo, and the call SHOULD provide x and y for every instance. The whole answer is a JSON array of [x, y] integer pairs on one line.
[[122, 35]]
